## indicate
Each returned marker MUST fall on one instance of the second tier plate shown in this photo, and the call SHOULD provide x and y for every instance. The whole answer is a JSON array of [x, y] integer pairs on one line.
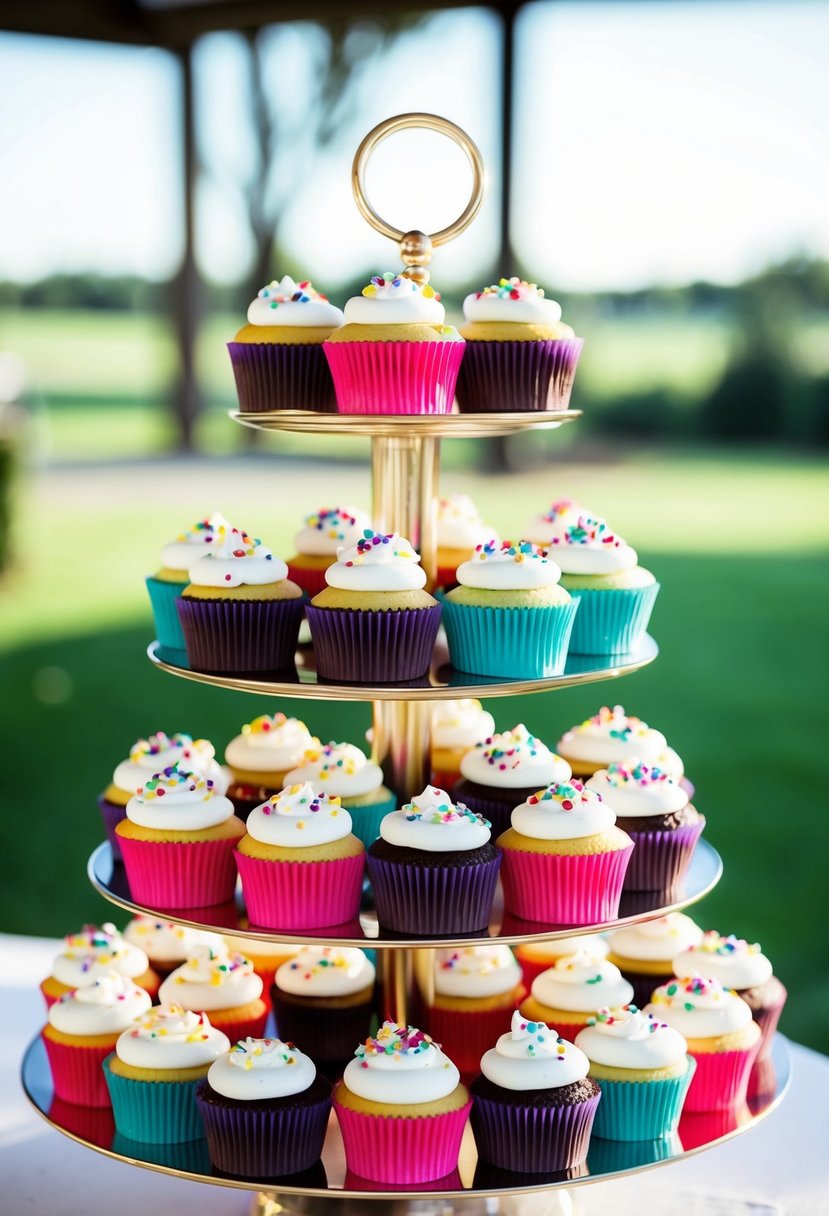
[[410, 426]]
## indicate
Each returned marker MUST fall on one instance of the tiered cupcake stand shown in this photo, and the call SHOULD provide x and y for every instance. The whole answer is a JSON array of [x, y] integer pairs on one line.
[[404, 473]]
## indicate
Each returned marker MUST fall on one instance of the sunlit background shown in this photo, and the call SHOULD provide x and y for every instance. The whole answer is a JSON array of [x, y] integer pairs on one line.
[[668, 176]]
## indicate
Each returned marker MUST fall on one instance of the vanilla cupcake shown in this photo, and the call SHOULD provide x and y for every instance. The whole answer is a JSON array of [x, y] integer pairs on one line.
[[644, 953], [317, 542], [553, 523], [460, 529], [536, 957], [277, 357], [475, 989], [342, 770], [166, 944], [567, 994], [457, 727], [166, 585], [612, 736], [222, 984], [261, 755], [267, 957], [92, 953]]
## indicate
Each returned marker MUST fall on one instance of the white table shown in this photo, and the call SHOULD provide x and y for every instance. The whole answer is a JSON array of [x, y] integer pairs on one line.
[[782, 1166]]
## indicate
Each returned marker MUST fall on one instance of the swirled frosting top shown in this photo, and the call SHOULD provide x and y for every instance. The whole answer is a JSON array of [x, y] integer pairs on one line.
[[476, 971], [400, 1065], [179, 554], [285, 302], [656, 941], [505, 566], [256, 1069], [513, 759], [299, 818], [531, 1056], [167, 1036], [587, 546], [379, 561], [270, 743], [165, 941], [559, 516], [513, 300], [565, 810], [212, 979], [238, 560], [635, 788], [327, 530], [732, 960], [337, 768], [324, 971], [612, 735], [581, 982], [93, 953], [699, 1008], [159, 751], [174, 800], [393, 299], [460, 524], [434, 823], [108, 1005], [461, 723], [628, 1038]]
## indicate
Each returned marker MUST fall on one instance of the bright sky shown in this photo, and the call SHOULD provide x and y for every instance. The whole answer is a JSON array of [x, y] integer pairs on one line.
[[654, 142]]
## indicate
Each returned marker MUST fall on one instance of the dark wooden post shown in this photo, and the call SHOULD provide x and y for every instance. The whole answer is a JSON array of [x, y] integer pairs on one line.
[[187, 287]]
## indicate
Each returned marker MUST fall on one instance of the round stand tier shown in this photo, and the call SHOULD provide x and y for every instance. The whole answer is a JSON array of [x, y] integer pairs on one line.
[[109, 879], [409, 426], [462, 1191]]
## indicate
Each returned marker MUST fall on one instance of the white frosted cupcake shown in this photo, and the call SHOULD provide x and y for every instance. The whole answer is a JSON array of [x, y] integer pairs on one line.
[[567, 994], [324, 998], [644, 953], [342, 770], [90, 954], [475, 989], [220, 983], [536, 957], [460, 529], [553, 522], [613, 736], [261, 755], [323, 533], [166, 944], [166, 585], [457, 727]]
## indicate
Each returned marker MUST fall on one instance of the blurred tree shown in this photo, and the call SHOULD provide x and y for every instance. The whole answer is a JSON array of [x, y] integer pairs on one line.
[[749, 402]]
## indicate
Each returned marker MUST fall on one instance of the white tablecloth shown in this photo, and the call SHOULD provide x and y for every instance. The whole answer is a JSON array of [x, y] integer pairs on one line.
[[781, 1166]]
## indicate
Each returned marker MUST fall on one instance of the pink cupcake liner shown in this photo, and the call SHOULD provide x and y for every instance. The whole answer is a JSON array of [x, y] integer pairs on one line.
[[661, 858], [169, 875], [721, 1079], [767, 1019], [466, 1035], [366, 647], [312, 582], [443, 779], [394, 377], [518, 376], [300, 894], [564, 890], [698, 1128], [281, 376], [93, 1124], [240, 635], [77, 1072], [354, 1182], [533, 1139], [240, 1028], [389, 1148]]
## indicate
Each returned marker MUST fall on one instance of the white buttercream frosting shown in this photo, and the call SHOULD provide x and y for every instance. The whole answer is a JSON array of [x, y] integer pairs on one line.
[[179, 554], [612, 735], [212, 979], [735, 962], [590, 943], [635, 788], [655, 941], [476, 971], [434, 823], [513, 759], [270, 743], [159, 751], [166, 942], [258, 949], [461, 723], [560, 515], [239, 560], [286, 302], [379, 561], [392, 299], [587, 546], [324, 971], [460, 524], [581, 983], [337, 768], [299, 818], [565, 810], [254, 1069], [505, 566], [167, 1036], [94, 952], [401, 1066], [177, 801], [531, 1056], [328, 529], [699, 1008], [512, 300], [106, 1006], [628, 1038]]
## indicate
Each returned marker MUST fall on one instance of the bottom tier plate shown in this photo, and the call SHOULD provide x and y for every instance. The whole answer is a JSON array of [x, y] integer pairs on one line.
[[606, 1159]]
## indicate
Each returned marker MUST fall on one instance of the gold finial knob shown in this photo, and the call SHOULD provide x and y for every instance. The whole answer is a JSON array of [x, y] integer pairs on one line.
[[416, 254]]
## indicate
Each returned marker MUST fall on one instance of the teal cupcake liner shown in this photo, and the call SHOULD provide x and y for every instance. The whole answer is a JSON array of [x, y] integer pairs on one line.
[[168, 629], [642, 1110], [516, 643], [611, 622], [365, 820], [154, 1112]]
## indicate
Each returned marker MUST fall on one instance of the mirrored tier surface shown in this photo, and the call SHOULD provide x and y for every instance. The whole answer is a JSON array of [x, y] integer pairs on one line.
[[472, 1180], [442, 682], [407, 426], [110, 880]]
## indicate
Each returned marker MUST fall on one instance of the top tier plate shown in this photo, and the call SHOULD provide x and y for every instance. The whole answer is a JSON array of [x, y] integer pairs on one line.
[[408, 426]]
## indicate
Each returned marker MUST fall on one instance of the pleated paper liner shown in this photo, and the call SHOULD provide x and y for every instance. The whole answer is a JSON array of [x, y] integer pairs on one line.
[[721, 1079], [239, 636], [366, 820], [532, 1139], [285, 895], [516, 643], [373, 647], [76, 1071], [112, 813], [156, 1112], [262, 1139], [325, 1032], [518, 376], [767, 1019], [661, 858], [641, 1110], [466, 1034], [413, 898], [396, 1149], [163, 597], [608, 1156], [611, 622], [173, 874], [563, 889], [282, 376], [394, 377]]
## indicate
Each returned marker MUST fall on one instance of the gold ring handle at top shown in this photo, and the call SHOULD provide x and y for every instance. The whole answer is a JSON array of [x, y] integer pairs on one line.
[[415, 246]]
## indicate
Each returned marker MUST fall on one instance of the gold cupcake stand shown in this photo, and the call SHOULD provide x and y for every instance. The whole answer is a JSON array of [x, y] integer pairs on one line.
[[405, 463]]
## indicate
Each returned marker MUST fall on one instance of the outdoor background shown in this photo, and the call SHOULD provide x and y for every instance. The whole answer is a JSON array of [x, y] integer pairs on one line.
[[669, 176]]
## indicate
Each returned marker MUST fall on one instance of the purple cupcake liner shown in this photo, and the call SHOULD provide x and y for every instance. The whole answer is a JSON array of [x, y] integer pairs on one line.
[[532, 1140], [425, 900], [261, 1142], [373, 647], [324, 1032], [282, 376], [661, 858], [506, 377], [112, 813], [394, 377], [516, 643], [240, 635]]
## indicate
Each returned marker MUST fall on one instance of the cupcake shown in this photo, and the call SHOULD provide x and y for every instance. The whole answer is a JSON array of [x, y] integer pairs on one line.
[[533, 1105], [569, 993], [509, 617], [395, 355], [82, 1030], [504, 769], [374, 623], [434, 868], [166, 944], [261, 756], [460, 529], [155, 1070], [277, 357], [265, 1109], [519, 354], [147, 757], [742, 967], [615, 595], [611, 736], [326, 531], [177, 842], [554, 522], [166, 585], [401, 1108], [643, 1070], [92, 953], [564, 858], [240, 612], [267, 957], [300, 864], [536, 957], [457, 727], [721, 1035], [341, 769], [644, 953], [325, 996], [222, 984], [476, 989], [657, 815]]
